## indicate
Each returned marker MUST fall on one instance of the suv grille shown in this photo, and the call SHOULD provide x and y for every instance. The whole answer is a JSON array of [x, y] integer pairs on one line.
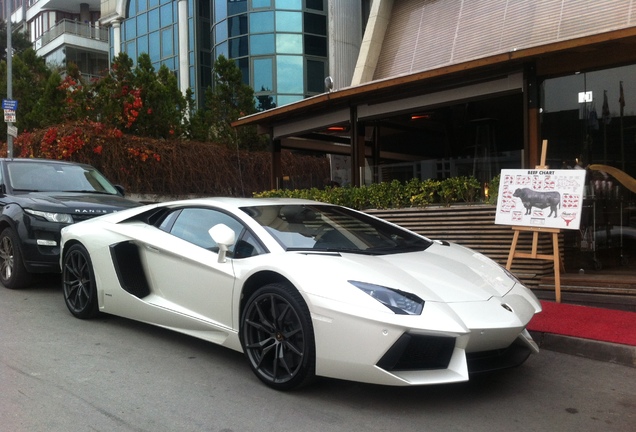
[[79, 217]]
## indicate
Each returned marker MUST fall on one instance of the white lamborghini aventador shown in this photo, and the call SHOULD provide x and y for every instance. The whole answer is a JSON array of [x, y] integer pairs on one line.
[[303, 288]]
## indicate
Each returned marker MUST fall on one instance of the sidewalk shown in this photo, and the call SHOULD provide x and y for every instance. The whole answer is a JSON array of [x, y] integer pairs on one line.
[[594, 333], [596, 350]]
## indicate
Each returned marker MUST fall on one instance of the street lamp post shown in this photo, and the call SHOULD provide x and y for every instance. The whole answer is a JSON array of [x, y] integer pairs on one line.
[[9, 76]]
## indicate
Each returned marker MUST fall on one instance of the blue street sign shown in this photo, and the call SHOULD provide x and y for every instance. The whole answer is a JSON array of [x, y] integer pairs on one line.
[[9, 104]]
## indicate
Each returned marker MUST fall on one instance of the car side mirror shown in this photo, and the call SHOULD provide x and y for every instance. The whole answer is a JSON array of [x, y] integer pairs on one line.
[[120, 190], [224, 237]]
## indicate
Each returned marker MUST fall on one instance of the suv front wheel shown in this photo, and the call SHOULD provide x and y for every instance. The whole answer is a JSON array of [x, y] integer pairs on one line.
[[13, 274]]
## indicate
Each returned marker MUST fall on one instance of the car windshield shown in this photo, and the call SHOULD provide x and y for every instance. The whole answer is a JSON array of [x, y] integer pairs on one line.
[[334, 229], [56, 177]]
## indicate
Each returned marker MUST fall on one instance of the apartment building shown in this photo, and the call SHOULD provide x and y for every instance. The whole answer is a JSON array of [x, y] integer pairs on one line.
[[64, 31]]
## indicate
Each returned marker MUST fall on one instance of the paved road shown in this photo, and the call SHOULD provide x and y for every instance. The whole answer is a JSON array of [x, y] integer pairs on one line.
[[58, 373]]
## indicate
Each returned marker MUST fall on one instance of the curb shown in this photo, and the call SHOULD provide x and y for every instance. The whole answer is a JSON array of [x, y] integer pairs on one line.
[[624, 355]]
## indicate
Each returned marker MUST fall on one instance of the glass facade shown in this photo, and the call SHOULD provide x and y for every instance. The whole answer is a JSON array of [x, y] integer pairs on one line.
[[152, 27], [279, 45], [590, 118], [585, 121]]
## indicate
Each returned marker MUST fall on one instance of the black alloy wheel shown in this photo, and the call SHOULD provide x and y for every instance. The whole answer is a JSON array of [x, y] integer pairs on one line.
[[13, 274], [78, 283], [278, 338]]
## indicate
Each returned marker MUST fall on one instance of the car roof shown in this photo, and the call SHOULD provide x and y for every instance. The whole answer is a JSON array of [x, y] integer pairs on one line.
[[237, 202], [38, 160]]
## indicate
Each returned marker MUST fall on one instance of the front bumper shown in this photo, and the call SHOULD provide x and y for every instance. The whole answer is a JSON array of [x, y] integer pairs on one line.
[[446, 344], [40, 245]]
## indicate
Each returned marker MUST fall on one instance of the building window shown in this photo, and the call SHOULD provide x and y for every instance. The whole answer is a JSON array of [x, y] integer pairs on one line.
[[263, 74], [288, 69], [261, 4], [316, 45], [237, 25], [238, 47], [315, 76], [262, 44], [289, 43], [262, 22], [316, 24], [289, 22], [289, 4]]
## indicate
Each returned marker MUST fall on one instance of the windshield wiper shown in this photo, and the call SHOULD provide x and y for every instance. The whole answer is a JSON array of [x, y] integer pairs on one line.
[[26, 190], [87, 191]]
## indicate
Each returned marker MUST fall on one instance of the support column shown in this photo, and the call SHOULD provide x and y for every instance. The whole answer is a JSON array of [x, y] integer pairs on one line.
[[361, 150], [376, 152], [277, 169], [116, 37], [353, 139], [184, 70], [532, 118]]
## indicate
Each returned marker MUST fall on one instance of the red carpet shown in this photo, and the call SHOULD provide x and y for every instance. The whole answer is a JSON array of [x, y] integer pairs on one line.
[[585, 322]]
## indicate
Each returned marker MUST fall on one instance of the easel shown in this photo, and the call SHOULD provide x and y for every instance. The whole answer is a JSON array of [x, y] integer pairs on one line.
[[535, 240]]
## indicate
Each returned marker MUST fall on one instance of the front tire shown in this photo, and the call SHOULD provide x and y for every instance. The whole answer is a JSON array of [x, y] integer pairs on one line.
[[13, 273], [78, 283], [278, 338]]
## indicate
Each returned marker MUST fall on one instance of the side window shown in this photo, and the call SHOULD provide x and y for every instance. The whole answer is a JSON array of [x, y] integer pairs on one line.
[[247, 246], [193, 224]]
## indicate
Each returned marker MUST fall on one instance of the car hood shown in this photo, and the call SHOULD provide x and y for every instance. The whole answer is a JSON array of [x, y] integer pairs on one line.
[[75, 202], [444, 272]]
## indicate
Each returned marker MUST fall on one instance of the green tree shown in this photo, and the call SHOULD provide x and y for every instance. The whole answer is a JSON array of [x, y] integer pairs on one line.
[[29, 77], [163, 103], [19, 40], [229, 99], [113, 91], [139, 100], [50, 108]]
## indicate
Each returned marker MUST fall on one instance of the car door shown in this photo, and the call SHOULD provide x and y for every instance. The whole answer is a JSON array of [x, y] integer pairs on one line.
[[184, 272]]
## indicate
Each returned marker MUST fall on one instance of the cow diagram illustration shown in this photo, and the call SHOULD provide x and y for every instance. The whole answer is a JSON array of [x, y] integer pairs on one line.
[[541, 198]]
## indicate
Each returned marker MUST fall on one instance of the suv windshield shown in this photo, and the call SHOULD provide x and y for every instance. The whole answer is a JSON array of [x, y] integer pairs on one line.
[[334, 229], [54, 177]]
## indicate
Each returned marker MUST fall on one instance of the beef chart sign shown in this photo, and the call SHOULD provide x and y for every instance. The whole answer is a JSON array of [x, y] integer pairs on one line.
[[541, 198]]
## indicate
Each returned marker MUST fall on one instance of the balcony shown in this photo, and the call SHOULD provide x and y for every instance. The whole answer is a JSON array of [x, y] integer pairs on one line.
[[75, 34]]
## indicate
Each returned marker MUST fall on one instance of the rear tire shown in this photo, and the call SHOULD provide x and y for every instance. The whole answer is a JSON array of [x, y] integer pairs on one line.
[[13, 273], [277, 336], [78, 283]]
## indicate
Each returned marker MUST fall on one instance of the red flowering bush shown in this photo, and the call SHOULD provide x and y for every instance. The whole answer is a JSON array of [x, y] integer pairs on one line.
[[167, 167]]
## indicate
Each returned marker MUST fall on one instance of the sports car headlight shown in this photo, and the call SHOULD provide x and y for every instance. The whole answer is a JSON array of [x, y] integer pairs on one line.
[[52, 217], [399, 302]]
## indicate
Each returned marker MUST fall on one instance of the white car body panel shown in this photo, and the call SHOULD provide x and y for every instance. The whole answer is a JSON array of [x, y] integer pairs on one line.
[[466, 296]]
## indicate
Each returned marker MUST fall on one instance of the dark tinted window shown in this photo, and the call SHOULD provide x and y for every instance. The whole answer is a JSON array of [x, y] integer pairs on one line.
[[316, 45], [315, 76], [32, 176], [316, 24], [314, 4], [238, 47], [332, 228], [193, 224]]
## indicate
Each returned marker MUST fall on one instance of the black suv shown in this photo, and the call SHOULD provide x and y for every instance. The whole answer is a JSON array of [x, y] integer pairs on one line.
[[37, 199]]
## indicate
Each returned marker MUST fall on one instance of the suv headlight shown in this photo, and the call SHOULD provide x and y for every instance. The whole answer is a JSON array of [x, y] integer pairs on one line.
[[52, 217], [399, 302]]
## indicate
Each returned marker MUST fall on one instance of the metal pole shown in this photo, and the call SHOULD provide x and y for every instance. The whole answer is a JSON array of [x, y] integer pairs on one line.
[[9, 76]]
